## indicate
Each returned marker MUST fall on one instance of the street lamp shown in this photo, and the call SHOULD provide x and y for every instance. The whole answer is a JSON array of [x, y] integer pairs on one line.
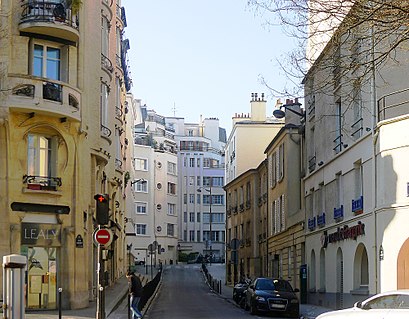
[[210, 215], [137, 181], [279, 113]]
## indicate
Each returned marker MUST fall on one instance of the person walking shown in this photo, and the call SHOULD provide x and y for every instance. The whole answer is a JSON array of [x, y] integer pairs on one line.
[[135, 293]]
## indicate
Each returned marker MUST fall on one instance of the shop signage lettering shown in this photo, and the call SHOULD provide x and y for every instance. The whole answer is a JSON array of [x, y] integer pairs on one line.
[[40, 234], [343, 233]]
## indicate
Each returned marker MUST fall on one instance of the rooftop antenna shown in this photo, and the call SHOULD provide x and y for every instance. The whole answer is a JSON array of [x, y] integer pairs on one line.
[[174, 109]]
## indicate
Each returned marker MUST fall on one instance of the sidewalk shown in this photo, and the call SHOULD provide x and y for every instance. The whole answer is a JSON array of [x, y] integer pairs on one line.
[[114, 295], [218, 271]]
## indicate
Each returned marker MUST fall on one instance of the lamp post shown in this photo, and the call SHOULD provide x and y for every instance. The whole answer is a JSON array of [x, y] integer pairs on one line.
[[279, 113], [210, 216]]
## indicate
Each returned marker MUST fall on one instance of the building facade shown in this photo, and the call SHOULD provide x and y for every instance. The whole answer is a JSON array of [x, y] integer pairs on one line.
[[61, 144], [152, 206], [355, 189], [201, 178], [249, 132]]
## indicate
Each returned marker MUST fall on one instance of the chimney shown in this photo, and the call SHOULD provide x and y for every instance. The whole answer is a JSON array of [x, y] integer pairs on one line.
[[258, 108]]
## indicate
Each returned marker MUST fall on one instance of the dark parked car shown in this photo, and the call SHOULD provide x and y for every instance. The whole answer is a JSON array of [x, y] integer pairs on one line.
[[274, 296]]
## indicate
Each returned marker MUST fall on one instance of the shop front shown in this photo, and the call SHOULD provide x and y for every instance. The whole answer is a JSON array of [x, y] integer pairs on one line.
[[40, 243]]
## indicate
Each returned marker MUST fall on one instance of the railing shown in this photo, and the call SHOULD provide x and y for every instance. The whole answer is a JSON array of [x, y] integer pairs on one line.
[[339, 213], [106, 63], [36, 182], [312, 163], [118, 61], [52, 91], [393, 105], [118, 113], [118, 164], [48, 11], [357, 126]]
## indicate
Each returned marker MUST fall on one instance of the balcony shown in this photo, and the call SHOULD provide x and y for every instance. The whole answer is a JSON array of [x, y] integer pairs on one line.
[[321, 220], [393, 105], [44, 96], [106, 64], [312, 162], [42, 183], [50, 19]]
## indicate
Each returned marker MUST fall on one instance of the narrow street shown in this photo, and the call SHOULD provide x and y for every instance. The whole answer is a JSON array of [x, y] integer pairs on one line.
[[185, 294]]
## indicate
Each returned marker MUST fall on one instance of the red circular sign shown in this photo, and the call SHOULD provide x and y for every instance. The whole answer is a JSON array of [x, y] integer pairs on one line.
[[103, 236]]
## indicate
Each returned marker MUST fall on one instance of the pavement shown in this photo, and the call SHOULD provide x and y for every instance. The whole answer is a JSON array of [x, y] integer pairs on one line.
[[115, 295], [218, 272]]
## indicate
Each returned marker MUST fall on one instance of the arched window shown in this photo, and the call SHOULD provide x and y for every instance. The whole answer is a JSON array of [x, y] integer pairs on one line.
[[322, 270], [312, 271], [361, 271]]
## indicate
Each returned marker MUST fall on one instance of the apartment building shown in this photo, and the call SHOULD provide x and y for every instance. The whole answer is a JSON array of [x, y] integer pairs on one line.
[[61, 121], [152, 198], [355, 188], [201, 179], [249, 137]]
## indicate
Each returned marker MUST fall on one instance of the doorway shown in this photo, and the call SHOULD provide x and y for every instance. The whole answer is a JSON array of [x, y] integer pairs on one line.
[[403, 266], [41, 292]]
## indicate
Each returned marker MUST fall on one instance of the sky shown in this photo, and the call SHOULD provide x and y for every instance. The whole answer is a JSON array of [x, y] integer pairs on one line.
[[190, 58]]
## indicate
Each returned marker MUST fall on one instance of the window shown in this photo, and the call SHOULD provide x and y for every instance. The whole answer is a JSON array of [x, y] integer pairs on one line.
[[170, 230], [185, 235], [118, 94], [312, 271], [184, 198], [216, 199], [213, 181], [189, 132], [198, 180], [322, 269], [191, 198], [358, 179], [191, 180], [140, 229], [141, 186], [141, 164], [185, 217], [104, 36], [47, 62], [191, 235], [338, 128], [198, 217], [191, 162], [361, 269], [198, 236], [192, 217], [140, 208], [171, 209], [282, 213], [198, 199], [198, 162], [172, 168], [171, 188], [104, 104], [42, 156], [281, 162], [216, 218]]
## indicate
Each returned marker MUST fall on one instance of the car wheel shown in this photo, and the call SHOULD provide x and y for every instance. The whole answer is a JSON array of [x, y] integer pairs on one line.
[[253, 309]]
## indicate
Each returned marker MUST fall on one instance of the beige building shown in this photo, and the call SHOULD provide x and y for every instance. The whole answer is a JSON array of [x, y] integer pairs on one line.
[[249, 137], [286, 215], [61, 122], [246, 225]]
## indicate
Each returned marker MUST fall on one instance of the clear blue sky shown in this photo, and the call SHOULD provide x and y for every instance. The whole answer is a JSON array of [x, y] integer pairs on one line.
[[205, 57]]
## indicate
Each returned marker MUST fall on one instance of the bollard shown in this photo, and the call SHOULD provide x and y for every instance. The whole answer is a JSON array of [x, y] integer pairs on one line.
[[59, 303], [220, 285]]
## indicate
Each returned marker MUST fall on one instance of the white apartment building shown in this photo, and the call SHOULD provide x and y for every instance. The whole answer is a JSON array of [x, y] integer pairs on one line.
[[152, 197], [250, 135], [356, 184], [201, 178]]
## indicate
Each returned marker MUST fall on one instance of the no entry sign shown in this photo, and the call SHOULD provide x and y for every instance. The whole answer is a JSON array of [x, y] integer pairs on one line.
[[103, 236]]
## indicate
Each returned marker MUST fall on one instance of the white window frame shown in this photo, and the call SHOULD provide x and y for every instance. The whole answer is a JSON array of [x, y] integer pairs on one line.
[[141, 208], [140, 229], [141, 164]]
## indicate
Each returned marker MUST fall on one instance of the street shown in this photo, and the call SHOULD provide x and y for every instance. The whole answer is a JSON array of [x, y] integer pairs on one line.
[[185, 294]]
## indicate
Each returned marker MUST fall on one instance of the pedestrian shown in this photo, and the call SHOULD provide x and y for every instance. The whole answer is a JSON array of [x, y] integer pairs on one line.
[[135, 293]]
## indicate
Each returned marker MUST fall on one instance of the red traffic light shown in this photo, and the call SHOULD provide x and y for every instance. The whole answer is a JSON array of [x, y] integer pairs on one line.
[[101, 198]]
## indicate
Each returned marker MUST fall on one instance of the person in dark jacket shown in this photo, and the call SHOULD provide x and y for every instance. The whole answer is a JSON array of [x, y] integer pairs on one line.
[[135, 293]]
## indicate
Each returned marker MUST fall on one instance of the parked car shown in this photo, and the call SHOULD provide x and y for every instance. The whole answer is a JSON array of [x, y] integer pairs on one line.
[[269, 295], [387, 305]]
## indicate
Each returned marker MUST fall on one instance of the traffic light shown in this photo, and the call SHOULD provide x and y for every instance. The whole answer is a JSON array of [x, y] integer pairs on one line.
[[102, 208]]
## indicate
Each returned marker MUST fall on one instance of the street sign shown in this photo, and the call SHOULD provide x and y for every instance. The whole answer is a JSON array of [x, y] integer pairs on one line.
[[103, 236]]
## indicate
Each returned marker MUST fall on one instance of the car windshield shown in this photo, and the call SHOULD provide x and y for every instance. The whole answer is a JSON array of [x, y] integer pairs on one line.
[[388, 302], [273, 284]]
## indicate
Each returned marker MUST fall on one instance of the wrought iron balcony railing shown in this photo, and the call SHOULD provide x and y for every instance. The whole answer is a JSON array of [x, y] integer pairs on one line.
[[48, 11], [36, 182]]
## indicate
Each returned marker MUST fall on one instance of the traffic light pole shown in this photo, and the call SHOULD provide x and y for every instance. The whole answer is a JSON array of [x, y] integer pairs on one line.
[[101, 292]]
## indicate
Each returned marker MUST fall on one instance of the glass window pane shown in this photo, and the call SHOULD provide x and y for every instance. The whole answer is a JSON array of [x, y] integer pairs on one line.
[[38, 60], [53, 63]]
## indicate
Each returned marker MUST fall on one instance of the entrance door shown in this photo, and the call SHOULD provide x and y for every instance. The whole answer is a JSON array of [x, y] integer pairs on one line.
[[403, 266], [42, 278]]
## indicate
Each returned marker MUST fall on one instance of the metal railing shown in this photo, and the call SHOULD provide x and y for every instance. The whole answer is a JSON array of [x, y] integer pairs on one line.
[[48, 11]]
